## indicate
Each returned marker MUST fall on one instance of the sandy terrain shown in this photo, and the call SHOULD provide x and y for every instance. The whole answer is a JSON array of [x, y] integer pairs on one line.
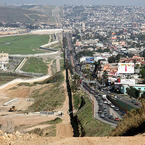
[[10, 120], [34, 140]]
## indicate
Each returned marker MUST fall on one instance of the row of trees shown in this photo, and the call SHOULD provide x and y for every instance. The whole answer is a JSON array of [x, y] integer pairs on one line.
[[133, 92]]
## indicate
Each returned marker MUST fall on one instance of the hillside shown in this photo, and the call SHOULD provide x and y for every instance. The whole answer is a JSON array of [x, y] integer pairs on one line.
[[27, 14], [16, 14], [132, 124], [20, 139]]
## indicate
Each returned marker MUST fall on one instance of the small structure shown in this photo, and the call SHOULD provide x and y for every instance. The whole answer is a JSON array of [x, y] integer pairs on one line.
[[4, 59]]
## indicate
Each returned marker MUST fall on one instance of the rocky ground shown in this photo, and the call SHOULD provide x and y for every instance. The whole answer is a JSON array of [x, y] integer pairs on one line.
[[29, 139]]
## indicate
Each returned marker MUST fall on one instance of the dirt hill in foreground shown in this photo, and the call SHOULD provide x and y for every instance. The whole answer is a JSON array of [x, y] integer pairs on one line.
[[28, 139]]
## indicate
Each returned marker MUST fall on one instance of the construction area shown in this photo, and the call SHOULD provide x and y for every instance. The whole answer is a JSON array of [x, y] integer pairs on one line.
[[28, 99], [16, 103]]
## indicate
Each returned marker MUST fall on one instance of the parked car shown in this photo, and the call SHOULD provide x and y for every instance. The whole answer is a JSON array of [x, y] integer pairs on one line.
[[116, 119], [102, 115], [112, 106], [111, 117], [116, 108], [105, 102]]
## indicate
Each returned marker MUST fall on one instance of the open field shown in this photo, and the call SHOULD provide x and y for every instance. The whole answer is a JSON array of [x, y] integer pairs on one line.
[[35, 65], [23, 44]]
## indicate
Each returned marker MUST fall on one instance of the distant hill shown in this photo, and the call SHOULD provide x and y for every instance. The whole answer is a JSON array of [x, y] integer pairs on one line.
[[30, 14]]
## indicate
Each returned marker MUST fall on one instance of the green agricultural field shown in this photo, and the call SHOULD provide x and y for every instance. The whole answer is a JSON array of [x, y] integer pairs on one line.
[[35, 65], [23, 44]]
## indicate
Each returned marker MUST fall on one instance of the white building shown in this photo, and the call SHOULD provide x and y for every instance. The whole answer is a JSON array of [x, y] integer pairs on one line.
[[4, 59]]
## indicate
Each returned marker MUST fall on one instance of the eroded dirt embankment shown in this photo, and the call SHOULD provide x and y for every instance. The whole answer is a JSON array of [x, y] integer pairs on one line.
[[18, 139]]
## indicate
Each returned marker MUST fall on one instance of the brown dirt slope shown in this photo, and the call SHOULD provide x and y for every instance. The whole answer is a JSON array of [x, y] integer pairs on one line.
[[26, 139]]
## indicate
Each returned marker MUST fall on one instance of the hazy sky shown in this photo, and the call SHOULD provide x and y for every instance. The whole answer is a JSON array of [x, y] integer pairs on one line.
[[76, 2]]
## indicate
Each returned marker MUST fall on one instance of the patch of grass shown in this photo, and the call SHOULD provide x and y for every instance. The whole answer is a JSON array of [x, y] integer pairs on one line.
[[50, 96], [46, 132], [76, 100], [13, 88], [35, 65], [6, 78], [55, 121], [53, 67], [25, 84], [62, 64], [51, 132], [24, 44], [91, 126], [58, 77]]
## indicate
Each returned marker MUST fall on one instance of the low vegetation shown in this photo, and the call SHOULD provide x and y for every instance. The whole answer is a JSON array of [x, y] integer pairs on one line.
[[88, 125], [35, 65], [53, 67], [5, 78], [133, 92], [133, 123], [47, 132], [55, 121], [23, 44], [84, 53], [57, 78], [50, 96], [61, 64], [91, 126]]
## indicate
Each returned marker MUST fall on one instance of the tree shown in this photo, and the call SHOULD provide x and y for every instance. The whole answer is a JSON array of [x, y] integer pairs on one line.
[[133, 92], [97, 67], [105, 77], [143, 95], [111, 59], [142, 72]]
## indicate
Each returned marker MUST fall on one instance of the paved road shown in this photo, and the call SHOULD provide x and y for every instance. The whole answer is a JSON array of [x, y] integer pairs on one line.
[[96, 109], [21, 65], [33, 55], [96, 115]]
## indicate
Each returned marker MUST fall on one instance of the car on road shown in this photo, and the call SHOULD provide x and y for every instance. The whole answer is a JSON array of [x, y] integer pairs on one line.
[[102, 115], [99, 111], [100, 104], [116, 109], [134, 102], [111, 117], [105, 110], [112, 106], [105, 102], [116, 119], [106, 114], [115, 97], [108, 102]]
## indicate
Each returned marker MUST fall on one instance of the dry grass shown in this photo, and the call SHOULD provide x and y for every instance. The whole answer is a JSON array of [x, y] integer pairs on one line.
[[133, 123], [50, 96]]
